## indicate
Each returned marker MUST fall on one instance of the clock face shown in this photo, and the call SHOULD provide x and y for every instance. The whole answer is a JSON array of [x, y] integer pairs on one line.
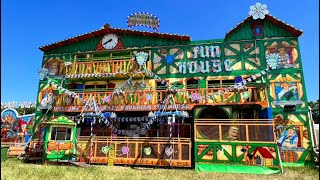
[[109, 41]]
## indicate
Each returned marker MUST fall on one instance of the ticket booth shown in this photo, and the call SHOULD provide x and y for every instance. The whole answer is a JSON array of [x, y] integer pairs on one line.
[[60, 139]]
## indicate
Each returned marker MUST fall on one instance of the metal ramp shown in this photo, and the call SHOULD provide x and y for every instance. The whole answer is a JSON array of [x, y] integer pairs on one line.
[[80, 164]]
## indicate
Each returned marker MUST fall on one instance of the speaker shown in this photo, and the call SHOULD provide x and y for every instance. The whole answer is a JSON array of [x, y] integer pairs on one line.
[[289, 108]]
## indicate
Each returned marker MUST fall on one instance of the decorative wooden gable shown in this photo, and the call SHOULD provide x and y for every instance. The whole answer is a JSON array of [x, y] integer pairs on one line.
[[261, 28], [109, 38]]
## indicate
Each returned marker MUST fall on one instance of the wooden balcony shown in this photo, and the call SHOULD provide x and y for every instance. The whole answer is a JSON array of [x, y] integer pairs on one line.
[[100, 67], [148, 100], [136, 155]]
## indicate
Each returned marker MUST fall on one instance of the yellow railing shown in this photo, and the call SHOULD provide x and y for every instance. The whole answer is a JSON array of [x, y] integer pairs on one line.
[[99, 67]]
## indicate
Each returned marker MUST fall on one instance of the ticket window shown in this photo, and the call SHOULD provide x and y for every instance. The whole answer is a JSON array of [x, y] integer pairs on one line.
[[61, 133]]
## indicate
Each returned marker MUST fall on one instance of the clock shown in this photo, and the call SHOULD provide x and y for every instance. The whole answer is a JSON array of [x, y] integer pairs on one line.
[[109, 41]]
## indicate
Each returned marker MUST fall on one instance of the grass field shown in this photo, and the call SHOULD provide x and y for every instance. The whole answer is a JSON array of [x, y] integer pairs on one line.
[[15, 169]]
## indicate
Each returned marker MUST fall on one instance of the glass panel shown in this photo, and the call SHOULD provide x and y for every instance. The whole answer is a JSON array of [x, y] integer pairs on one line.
[[68, 136], [60, 133], [260, 133], [61, 136], [207, 132], [53, 133]]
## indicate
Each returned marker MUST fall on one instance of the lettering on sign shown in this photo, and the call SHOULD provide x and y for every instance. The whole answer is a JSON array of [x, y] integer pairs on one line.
[[153, 107], [205, 66], [206, 51]]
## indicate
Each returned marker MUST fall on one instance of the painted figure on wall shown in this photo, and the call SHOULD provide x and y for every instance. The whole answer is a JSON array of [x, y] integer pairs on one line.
[[15, 128], [289, 138], [287, 55], [46, 100], [286, 91], [284, 56], [54, 67]]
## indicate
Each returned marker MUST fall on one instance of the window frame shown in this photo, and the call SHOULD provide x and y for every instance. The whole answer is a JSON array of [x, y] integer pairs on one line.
[[56, 133]]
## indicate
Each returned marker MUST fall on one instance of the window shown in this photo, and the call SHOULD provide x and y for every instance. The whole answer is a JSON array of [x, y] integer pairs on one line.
[[192, 83], [61, 133], [95, 87]]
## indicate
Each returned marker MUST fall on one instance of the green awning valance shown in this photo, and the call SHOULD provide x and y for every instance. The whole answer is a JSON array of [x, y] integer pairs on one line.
[[61, 120]]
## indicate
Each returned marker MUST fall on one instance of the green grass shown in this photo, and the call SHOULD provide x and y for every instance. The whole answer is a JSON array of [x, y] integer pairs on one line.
[[15, 169]]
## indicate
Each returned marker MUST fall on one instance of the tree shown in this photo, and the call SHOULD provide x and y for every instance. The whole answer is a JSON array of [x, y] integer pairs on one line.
[[24, 111], [315, 111]]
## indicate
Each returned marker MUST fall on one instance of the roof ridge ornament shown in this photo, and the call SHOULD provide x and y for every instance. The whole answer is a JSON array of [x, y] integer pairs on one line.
[[143, 19], [258, 11]]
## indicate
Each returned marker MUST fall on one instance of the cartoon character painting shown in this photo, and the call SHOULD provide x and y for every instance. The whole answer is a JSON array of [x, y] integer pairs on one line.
[[284, 56], [46, 100], [286, 91], [287, 55], [289, 137], [15, 128], [53, 67]]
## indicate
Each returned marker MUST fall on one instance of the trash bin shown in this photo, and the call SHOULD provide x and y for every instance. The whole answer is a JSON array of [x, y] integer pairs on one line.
[[4, 151]]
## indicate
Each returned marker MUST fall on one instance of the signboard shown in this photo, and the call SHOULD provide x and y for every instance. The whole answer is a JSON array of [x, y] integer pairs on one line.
[[111, 155], [154, 107], [199, 66], [143, 19]]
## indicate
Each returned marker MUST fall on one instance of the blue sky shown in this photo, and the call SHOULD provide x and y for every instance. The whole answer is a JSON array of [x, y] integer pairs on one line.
[[27, 25]]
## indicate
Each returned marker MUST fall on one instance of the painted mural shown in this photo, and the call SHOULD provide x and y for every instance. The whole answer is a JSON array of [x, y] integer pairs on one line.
[[283, 56], [291, 138], [15, 128], [286, 91], [54, 66]]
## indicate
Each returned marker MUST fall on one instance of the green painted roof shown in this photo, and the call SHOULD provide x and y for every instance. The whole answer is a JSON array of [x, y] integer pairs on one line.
[[61, 120], [207, 41]]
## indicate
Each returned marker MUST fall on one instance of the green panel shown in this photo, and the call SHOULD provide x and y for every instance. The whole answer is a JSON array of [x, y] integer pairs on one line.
[[138, 41], [204, 152], [85, 45], [271, 30], [242, 33], [207, 41], [223, 168], [128, 41], [304, 156], [225, 152]]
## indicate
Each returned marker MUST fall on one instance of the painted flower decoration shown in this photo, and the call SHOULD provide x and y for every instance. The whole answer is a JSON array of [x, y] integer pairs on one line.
[[258, 11]]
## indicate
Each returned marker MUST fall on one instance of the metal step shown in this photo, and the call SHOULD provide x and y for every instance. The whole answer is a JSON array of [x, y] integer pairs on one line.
[[81, 164]]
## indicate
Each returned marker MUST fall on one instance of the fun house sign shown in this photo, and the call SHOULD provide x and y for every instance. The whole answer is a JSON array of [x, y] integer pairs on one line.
[[207, 66]]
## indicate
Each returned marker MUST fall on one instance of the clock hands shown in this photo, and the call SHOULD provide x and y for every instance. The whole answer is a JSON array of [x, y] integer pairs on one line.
[[107, 42]]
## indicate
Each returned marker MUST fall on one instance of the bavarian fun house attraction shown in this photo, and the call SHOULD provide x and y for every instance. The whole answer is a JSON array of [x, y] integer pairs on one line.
[[123, 96]]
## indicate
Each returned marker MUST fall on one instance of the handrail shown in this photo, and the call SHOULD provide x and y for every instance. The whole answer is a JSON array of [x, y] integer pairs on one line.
[[154, 139], [134, 97], [269, 120]]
